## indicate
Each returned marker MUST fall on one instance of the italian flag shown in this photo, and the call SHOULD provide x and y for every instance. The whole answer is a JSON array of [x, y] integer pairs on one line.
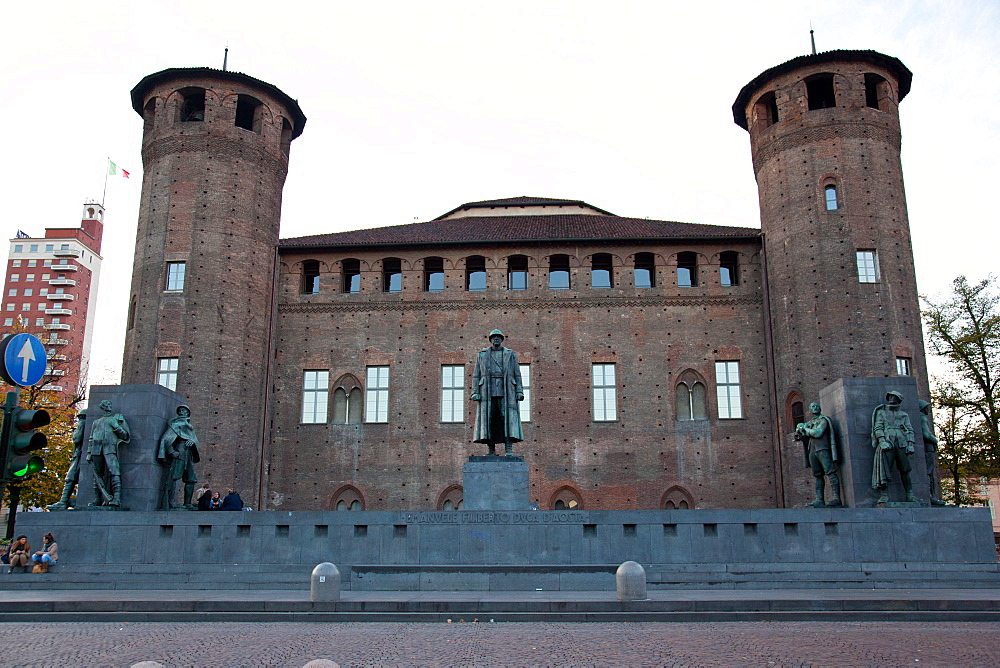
[[113, 170]]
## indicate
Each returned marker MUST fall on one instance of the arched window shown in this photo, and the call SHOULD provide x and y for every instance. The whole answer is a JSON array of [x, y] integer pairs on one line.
[[566, 498], [149, 115], [348, 497], [687, 269], [517, 272], [729, 273], [601, 273], [286, 137], [248, 113], [559, 272], [392, 274], [766, 110], [794, 411], [475, 273], [677, 498], [820, 92], [645, 270], [352, 275], [433, 274], [191, 105], [451, 498], [830, 196], [877, 92], [310, 277], [691, 398], [347, 400]]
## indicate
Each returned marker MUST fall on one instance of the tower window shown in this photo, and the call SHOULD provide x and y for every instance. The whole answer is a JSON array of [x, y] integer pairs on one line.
[[517, 272], [248, 113], [604, 390], [876, 92], [148, 120], [766, 110], [475, 273], [452, 393], [727, 388], [687, 270], [867, 266], [645, 270], [601, 275], [559, 272], [286, 137], [315, 393], [175, 275], [526, 386], [904, 366], [191, 107], [377, 394], [819, 91], [433, 274], [166, 372], [310, 277], [392, 275], [830, 197], [352, 276], [729, 274]]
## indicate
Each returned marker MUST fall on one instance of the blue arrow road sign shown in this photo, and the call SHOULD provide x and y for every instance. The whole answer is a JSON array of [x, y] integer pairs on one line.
[[24, 359]]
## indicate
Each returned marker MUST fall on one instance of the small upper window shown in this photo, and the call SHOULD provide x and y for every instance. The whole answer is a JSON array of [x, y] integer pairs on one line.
[[876, 91], [392, 275], [49, 248], [830, 196], [352, 275], [191, 107], [645, 270], [766, 110], [148, 120], [310, 277], [475, 273], [819, 90], [601, 275], [433, 274], [687, 269], [248, 113], [904, 366], [729, 273], [559, 272], [286, 137]]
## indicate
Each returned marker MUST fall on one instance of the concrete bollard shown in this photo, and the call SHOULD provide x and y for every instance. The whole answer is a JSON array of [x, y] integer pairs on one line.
[[630, 579], [325, 584]]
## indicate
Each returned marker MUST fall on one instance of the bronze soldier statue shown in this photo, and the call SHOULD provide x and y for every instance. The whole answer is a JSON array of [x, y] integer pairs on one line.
[[930, 449], [497, 387], [820, 443], [893, 441], [109, 432], [73, 474], [178, 452]]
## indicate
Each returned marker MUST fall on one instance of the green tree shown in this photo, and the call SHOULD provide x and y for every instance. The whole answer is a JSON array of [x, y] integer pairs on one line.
[[964, 329], [960, 451]]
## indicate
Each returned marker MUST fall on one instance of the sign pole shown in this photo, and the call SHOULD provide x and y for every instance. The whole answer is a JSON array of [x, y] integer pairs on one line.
[[13, 399]]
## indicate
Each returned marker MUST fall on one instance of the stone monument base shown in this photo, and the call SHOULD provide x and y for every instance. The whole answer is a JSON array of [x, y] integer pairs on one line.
[[496, 483]]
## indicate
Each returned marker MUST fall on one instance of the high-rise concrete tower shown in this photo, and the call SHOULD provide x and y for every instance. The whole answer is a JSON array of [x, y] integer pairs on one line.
[[825, 139], [215, 154]]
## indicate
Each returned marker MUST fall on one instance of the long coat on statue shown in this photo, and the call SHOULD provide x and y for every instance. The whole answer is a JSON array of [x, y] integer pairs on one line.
[[512, 388]]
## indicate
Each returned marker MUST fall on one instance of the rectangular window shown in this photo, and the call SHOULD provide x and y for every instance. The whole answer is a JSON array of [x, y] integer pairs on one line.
[[904, 366], [377, 394], [453, 393], [166, 371], [31, 277], [42, 306], [49, 248], [10, 307], [43, 292], [16, 263], [175, 275], [29, 292], [39, 322], [517, 272], [687, 270], [18, 248], [605, 400], [727, 387], [8, 322], [315, 392], [33, 248], [14, 278], [25, 307], [526, 386], [12, 292], [867, 266]]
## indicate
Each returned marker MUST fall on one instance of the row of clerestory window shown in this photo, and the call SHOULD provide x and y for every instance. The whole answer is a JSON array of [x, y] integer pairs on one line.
[[821, 93], [602, 275]]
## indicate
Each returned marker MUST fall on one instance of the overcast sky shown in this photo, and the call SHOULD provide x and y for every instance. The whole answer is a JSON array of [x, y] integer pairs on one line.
[[416, 107]]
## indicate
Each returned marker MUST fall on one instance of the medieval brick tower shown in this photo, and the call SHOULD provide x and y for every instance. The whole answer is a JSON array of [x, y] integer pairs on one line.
[[215, 154], [825, 139]]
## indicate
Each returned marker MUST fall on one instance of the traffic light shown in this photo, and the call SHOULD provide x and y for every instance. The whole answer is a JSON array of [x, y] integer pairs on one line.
[[22, 440]]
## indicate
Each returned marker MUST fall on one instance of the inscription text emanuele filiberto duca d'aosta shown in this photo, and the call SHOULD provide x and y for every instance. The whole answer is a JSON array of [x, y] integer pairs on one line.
[[496, 517]]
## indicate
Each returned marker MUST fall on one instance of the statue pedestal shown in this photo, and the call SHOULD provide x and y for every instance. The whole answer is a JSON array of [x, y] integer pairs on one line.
[[146, 409], [496, 483], [849, 403]]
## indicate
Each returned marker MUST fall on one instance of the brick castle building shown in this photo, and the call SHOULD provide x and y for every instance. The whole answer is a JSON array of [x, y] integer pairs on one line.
[[666, 363], [51, 285]]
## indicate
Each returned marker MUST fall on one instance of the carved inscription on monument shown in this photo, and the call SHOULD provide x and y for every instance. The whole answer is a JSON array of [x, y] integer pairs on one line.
[[496, 517]]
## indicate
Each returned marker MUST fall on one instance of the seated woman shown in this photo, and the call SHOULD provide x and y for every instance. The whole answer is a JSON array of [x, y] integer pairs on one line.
[[19, 554], [48, 555]]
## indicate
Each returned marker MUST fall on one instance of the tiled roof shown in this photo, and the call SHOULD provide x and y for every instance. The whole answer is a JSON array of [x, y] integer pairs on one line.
[[516, 229], [523, 200]]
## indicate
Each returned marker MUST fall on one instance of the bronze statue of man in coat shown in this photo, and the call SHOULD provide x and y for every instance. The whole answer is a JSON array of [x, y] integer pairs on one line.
[[497, 389], [178, 452], [109, 432]]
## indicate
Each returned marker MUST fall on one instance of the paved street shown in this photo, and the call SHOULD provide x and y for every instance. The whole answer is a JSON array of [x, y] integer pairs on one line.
[[515, 644]]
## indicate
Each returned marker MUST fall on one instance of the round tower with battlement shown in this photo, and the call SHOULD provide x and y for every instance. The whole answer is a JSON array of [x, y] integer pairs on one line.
[[842, 294], [215, 154]]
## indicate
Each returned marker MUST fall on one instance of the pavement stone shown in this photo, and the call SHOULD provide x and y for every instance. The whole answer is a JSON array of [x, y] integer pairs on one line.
[[513, 644]]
